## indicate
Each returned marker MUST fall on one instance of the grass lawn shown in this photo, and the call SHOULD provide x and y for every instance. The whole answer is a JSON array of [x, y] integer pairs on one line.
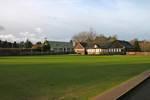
[[65, 77]]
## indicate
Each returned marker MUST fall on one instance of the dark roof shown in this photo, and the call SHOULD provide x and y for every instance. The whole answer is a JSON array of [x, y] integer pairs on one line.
[[84, 44], [115, 44], [105, 45], [122, 43], [59, 44], [91, 45]]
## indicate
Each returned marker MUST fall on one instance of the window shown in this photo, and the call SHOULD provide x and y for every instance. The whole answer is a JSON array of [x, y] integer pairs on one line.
[[68, 49], [119, 50], [97, 50]]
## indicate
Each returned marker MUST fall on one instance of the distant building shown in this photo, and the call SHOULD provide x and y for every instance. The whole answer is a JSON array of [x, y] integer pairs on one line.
[[61, 47], [116, 47], [123, 44], [81, 48]]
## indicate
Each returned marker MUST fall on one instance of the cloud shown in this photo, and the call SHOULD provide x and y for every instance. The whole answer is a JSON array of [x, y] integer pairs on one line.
[[2, 28], [38, 30], [22, 36], [61, 19], [34, 37], [7, 37]]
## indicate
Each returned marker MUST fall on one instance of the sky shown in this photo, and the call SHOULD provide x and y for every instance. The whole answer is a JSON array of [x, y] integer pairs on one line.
[[61, 19]]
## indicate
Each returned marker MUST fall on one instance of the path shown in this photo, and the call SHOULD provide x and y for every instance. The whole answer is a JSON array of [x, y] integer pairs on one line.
[[141, 92]]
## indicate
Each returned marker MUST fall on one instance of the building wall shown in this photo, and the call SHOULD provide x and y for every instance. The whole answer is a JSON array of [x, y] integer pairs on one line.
[[104, 51], [94, 51], [61, 47], [62, 50], [80, 51]]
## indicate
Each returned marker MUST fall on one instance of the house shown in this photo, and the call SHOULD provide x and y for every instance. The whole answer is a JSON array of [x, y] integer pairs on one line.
[[80, 48], [123, 44], [96, 49], [61, 47], [116, 47]]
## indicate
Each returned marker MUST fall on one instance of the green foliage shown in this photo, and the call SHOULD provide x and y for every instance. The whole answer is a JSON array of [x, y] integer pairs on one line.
[[38, 43], [15, 45], [28, 44], [46, 46], [136, 45], [66, 77]]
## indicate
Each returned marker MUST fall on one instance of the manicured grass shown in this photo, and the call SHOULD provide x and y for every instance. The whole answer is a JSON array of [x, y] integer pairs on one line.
[[65, 77]]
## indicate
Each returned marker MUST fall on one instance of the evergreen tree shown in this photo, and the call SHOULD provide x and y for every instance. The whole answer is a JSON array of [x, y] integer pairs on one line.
[[0, 43], [46, 46], [136, 45], [14, 44], [28, 44]]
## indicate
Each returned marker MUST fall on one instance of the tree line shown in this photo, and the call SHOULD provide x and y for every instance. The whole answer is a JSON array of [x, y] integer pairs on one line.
[[45, 46], [91, 36]]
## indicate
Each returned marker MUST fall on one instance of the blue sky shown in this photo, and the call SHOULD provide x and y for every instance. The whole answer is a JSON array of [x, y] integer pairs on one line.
[[61, 19]]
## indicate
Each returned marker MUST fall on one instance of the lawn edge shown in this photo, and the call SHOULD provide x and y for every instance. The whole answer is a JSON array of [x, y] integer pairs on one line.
[[123, 88]]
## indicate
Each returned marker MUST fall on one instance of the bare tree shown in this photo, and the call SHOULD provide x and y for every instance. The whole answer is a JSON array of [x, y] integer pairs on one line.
[[145, 46], [93, 37], [84, 37], [112, 38]]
